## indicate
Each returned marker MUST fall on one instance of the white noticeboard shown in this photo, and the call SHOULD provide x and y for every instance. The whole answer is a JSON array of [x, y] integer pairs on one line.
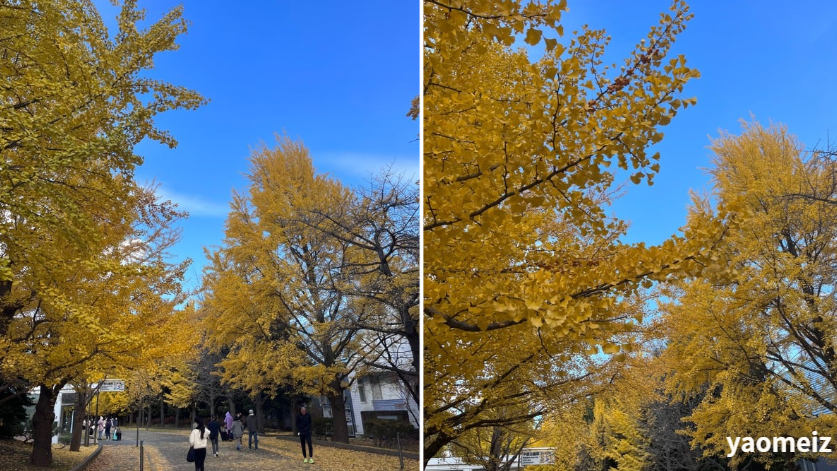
[[112, 385], [532, 456]]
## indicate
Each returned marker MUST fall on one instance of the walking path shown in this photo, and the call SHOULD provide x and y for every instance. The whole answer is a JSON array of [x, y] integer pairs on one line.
[[166, 451]]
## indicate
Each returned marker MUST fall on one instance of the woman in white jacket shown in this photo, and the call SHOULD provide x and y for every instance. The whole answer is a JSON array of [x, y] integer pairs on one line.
[[198, 439]]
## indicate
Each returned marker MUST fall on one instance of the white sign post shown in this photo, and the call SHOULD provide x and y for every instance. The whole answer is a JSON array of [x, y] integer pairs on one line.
[[112, 385], [536, 456]]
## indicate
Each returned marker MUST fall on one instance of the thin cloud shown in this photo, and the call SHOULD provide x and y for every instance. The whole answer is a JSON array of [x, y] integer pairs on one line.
[[194, 204], [350, 164]]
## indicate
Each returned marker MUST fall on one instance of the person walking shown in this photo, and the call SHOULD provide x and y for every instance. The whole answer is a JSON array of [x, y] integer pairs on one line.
[[228, 422], [252, 431], [101, 426], [303, 428], [117, 435], [238, 432], [214, 428], [198, 439]]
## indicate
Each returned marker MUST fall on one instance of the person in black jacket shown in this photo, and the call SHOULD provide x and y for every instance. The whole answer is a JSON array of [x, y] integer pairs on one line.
[[252, 430], [214, 427], [303, 428]]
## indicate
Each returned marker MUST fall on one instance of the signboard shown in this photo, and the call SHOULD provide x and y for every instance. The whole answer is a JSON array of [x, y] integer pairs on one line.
[[112, 385], [535, 456]]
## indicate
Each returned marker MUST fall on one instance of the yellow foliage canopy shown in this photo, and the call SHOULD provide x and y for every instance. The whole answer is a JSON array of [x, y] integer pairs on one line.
[[82, 267], [281, 290], [757, 328], [519, 159]]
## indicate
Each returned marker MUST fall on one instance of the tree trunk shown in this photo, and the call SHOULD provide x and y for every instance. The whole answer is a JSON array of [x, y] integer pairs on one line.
[[176, 417], [162, 413], [211, 402], [495, 454], [260, 398], [413, 336], [294, 412], [194, 414], [42, 426], [340, 429], [7, 311], [78, 418]]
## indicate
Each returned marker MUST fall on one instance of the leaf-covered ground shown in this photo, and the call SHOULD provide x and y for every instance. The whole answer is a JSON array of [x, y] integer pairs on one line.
[[112, 458], [14, 456], [166, 451], [334, 459]]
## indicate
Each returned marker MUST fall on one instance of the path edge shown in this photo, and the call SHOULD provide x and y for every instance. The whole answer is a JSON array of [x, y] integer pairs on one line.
[[81, 466], [367, 449]]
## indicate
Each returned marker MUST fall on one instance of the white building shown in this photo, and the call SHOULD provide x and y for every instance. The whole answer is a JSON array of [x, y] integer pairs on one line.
[[379, 392], [382, 391], [457, 464], [64, 410], [528, 457], [65, 405]]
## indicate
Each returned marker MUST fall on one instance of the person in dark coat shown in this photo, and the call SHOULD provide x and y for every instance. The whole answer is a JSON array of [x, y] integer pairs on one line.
[[214, 427], [252, 430], [303, 429]]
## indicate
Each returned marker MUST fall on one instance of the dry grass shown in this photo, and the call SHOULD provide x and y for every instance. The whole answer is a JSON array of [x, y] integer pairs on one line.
[[14, 456]]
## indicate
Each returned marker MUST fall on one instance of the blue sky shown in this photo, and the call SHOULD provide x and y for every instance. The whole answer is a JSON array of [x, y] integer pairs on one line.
[[338, 75], [774, 60]]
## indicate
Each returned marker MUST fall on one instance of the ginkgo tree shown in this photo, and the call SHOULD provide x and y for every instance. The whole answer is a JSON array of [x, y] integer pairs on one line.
[[79, 265], [73, 106], [520, 156], [98, 315], [756, 330], [381, 222], [281, 289]]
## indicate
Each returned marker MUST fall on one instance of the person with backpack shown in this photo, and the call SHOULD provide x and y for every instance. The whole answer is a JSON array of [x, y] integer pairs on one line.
[[303, 429], [214, 428]]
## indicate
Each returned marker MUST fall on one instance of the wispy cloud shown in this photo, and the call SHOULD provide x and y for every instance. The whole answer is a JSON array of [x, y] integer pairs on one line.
[[196, 205], [354, 165]]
